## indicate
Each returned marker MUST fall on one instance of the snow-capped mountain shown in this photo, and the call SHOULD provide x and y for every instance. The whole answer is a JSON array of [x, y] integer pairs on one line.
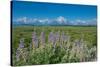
[[56, 21]]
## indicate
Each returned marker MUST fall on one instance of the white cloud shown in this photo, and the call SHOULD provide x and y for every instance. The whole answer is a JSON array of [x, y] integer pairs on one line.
[[86, 22], [34, 20], [43, 20], [92, 21], [23, 19], [83, 22], [61, 19], [26, 20]]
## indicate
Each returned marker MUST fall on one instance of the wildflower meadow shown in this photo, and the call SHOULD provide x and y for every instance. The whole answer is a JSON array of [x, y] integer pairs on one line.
[[35, 45]]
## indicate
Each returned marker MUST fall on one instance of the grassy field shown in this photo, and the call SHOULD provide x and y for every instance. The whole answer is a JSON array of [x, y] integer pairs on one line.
[[87, 34]]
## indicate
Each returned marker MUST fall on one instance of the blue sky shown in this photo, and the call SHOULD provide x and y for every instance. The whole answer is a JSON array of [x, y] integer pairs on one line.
[[51, 11]]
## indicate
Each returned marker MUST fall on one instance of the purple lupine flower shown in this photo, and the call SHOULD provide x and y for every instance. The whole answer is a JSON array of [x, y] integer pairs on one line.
[[57, 36], [17, 55], [53, 41], [78, 43], [35, 39], [21, 44], [79, 46], [42, 38], [64, 37], [50, 37]]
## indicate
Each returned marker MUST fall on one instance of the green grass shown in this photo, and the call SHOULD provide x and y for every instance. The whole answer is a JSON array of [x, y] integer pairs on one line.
[[90, 33]]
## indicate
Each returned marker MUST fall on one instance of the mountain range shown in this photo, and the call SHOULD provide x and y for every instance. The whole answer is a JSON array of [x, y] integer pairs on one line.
[[57, 21]]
